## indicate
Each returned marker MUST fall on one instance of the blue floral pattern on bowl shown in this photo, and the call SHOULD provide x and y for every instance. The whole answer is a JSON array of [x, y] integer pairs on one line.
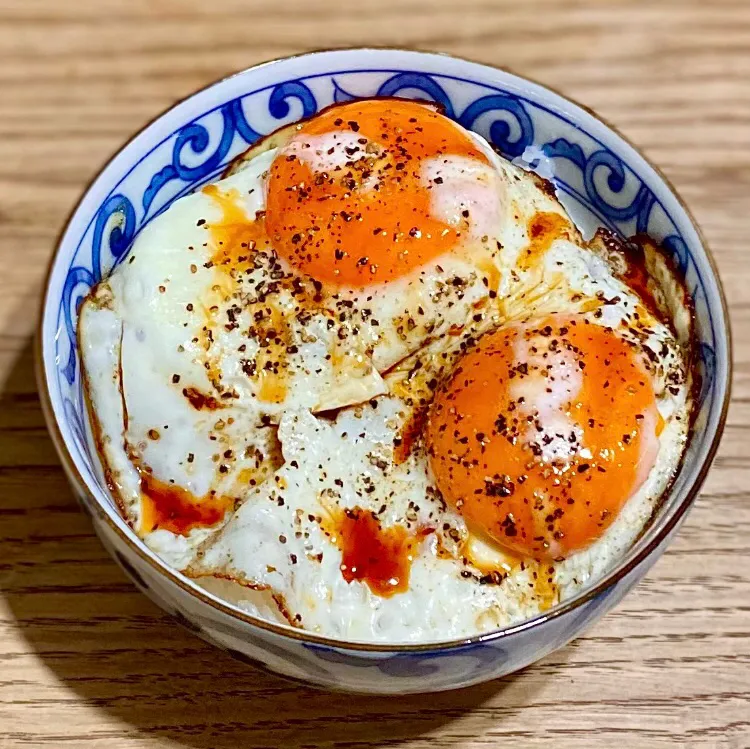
[[601, 180]]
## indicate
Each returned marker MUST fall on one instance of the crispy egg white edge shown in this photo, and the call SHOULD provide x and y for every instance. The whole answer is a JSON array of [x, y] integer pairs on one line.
[[115, 312]]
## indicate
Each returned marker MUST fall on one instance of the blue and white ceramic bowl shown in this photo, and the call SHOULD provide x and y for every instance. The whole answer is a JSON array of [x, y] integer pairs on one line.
[[602, 180]]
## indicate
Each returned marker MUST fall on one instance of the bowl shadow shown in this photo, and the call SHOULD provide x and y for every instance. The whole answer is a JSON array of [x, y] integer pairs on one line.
[[115, 650]]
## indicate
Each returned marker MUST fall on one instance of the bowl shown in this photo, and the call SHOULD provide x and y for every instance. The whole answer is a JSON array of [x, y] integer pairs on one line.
[[600, 177]]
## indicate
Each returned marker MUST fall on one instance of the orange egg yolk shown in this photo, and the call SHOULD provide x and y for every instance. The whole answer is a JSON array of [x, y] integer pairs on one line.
[[542, 432], [346, 200]]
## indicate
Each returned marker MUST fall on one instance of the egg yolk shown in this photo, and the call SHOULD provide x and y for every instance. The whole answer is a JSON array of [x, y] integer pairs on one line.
[[542, 432], [347, 200]]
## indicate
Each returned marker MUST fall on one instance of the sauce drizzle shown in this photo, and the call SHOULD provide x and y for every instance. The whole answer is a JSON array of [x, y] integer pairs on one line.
[[174, 509], [543, 229], [380, 557], [235, 236]]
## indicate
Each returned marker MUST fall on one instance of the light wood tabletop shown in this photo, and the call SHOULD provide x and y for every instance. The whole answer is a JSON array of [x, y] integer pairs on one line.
[[87, 661]]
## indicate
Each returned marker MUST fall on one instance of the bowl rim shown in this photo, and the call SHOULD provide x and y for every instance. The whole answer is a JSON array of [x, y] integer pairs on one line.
[[614, 576]]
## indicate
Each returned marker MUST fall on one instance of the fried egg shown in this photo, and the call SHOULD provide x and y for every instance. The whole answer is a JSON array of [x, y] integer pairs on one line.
[[375, 384]]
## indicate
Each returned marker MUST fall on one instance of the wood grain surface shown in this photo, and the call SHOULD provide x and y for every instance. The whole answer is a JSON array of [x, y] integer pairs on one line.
[[85, 660]]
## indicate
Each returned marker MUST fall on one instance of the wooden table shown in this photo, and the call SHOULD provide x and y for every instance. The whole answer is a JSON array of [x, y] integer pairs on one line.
[[85, 660]]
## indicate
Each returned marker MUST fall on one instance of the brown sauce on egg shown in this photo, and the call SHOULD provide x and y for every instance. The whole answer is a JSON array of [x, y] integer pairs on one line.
[[490, 564], [405, 442], [273, 389], [491, 274], [544, 587], [174, 509], [235, 236], [635, 274], [636, 277], [543, 229], [380, 557]]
